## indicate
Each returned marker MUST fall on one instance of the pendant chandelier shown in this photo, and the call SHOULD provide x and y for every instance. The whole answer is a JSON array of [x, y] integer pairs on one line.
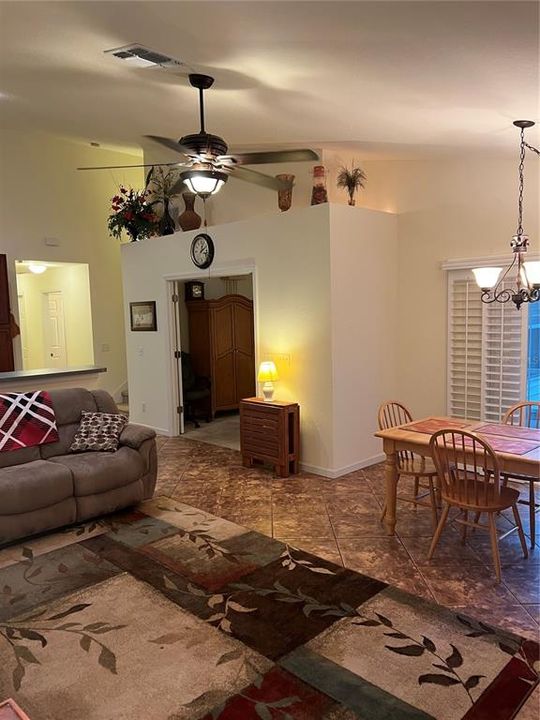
[[527, 274]]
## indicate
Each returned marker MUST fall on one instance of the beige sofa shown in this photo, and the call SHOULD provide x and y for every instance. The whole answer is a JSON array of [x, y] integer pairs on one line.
[[46, 487]]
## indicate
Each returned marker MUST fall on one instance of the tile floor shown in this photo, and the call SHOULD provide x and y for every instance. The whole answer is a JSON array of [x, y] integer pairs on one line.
[[224, 431], [338, 520]]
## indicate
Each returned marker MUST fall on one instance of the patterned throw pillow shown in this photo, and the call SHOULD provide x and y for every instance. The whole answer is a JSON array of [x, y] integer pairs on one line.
[[98, 432]]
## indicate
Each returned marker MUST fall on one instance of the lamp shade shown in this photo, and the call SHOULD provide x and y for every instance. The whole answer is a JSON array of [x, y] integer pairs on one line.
[[532, 268], [204, 182], [486, 277], [267, 372]]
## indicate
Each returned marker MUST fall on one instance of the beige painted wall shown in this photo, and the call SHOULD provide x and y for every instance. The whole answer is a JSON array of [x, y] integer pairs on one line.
[[298, 259], [289, 256], [364, 296], [73, 282], [448, 208], [43, 196]]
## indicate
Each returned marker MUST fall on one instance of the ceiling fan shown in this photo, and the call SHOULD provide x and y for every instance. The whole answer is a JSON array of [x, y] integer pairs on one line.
[[205, 159]]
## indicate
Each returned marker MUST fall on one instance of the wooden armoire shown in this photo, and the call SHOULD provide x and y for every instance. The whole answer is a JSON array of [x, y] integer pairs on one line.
[[222, 348]]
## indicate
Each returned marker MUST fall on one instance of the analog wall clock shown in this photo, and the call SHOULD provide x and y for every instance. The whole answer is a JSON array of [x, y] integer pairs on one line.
[[202, 250]]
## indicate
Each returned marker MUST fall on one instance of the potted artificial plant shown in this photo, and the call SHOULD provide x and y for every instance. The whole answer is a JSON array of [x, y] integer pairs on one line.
[[351, 180]]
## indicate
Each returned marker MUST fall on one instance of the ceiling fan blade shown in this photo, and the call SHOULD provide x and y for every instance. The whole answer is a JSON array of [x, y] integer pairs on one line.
[[171, 144], [121, 167], [271, 156], [258, 178]]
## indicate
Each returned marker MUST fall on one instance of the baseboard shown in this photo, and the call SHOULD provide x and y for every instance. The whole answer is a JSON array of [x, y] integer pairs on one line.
[[117, 393], [157, 430], [333, 474]]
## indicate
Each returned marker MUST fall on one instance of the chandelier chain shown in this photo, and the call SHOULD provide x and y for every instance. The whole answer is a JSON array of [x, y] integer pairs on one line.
[[519, 231], [531, 147]]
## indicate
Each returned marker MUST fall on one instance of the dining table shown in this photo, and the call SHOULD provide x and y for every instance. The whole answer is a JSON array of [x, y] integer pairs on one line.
[[517, 449]]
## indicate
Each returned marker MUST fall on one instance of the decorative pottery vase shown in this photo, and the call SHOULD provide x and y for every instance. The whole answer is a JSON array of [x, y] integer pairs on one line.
[[319, 193], [132, 232], [166, 224], [352, 200], [189, 219], [285, 196]]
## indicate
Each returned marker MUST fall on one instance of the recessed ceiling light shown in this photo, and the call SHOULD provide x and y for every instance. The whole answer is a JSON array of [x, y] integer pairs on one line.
[[37, 268]]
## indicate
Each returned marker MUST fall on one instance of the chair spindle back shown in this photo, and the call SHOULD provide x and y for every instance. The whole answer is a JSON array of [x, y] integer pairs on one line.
[[392, 414], [467, 467], [525, 414]]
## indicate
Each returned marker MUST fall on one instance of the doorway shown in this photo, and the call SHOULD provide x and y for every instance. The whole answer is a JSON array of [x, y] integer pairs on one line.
[[55, 314], [214, 334]]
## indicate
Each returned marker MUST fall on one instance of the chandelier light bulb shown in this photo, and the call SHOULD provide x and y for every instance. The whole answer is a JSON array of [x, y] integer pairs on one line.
[[486, 277], [532, 269]]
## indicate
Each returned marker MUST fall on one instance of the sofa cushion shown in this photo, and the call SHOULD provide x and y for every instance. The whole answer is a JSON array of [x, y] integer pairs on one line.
[[16, 457], [66, 433], [98, 431], [68, 404], [104, 402], [34, 485], [97, 472]]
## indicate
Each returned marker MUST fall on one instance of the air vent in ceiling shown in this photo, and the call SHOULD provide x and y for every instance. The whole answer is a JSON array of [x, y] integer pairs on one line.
[[136, 55]]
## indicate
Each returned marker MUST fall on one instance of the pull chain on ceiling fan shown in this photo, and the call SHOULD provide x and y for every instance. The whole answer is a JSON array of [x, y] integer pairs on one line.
[[207, 164]]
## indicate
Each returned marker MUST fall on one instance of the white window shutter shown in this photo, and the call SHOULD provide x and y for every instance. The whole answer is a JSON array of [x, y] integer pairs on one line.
[[504, 352], [464, 347], [486, 352]]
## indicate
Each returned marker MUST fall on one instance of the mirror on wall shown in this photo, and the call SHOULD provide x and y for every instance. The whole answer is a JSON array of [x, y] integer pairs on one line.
[[55, 314]]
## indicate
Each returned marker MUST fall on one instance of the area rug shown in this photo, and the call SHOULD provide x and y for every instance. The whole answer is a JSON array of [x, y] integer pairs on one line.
[[170, 613]]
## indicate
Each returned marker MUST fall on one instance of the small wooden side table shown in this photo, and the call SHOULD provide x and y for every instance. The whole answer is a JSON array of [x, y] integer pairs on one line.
[[270, 432]]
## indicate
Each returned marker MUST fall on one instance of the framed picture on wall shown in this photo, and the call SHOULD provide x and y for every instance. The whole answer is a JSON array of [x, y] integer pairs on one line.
[[143, 316]]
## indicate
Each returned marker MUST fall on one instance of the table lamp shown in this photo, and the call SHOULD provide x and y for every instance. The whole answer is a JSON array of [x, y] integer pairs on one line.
[[267, 375]]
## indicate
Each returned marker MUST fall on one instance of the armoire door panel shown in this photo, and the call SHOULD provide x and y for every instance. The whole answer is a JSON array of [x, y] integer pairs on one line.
[[224, 382], [227, 349], [223, 330], [243, 328]]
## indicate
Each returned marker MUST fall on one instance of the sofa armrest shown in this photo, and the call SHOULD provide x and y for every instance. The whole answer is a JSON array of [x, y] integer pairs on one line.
[[134, 435]]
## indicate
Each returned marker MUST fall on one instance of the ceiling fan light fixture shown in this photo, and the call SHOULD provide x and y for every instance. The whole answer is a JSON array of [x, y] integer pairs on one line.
[[204, 182]]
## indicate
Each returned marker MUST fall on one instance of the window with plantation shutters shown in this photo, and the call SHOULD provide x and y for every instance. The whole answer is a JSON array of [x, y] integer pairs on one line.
[[486, 352]]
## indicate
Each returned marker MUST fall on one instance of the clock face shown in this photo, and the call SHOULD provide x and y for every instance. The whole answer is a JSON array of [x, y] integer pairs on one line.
[[202, 250], [196, 291]]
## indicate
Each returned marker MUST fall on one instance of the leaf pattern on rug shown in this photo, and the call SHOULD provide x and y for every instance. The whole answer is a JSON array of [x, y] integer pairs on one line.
[[221, 604], [290, 562], [33, 575], [263, 708], [34, 628]]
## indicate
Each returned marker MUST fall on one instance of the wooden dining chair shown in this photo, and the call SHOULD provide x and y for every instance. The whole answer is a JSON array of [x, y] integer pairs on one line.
[[525, 414], [392, 414], [470, 480]]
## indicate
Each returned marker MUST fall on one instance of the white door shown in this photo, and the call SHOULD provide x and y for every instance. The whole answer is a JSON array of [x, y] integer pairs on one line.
[[24, 329], [54, 330]]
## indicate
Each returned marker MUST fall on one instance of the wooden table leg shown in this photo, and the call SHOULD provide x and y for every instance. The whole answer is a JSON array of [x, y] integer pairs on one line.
[[391, 490]]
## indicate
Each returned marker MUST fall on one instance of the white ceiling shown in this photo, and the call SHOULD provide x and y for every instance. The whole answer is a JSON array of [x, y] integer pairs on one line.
[[377, 76]]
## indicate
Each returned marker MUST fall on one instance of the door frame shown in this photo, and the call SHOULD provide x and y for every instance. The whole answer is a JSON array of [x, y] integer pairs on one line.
[[175, 422]]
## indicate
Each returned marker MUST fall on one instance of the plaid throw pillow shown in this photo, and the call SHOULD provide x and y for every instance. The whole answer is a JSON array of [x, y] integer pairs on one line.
[[98, 432]]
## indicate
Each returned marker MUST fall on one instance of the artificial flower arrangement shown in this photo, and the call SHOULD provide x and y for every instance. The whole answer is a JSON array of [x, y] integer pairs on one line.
[[133, 213]]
